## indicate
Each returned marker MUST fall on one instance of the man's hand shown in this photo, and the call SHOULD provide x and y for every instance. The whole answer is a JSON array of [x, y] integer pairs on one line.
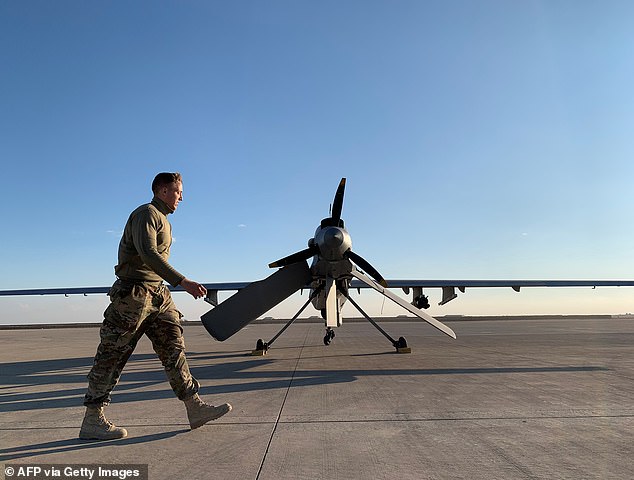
[[195, 289]]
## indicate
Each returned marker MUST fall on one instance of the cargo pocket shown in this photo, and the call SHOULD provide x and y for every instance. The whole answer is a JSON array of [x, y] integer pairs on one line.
[[129, 306]]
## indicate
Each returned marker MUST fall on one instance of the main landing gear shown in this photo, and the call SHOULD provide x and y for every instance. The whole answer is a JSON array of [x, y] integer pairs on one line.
[[262, 347], [400, 345]]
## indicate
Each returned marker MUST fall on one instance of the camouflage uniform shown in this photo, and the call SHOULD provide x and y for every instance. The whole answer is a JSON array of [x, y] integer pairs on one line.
[[141, 306]]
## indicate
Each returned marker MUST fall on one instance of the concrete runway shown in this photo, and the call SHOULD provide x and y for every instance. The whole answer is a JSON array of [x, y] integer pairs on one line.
[[512, 399]]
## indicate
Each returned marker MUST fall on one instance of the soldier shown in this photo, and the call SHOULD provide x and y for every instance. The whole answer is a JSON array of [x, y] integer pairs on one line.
[[140, 303]]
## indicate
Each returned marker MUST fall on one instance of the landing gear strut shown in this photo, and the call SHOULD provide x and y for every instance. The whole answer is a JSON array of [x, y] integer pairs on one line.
[[262, 347], [400, 344]]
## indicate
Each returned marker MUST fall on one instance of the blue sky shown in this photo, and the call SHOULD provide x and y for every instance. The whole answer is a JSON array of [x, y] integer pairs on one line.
[[485, 139]]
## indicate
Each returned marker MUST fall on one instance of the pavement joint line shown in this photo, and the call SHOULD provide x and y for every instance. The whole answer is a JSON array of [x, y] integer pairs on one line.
[[370, 420], [279, 414], [460, 419]]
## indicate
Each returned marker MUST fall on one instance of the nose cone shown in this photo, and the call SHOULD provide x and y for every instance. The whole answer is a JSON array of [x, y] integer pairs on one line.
[[333, 238], [333, 242]]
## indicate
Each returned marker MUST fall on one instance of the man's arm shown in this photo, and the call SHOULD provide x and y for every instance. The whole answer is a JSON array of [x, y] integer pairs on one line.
[[144, 236], [195, 289], [145, 241]]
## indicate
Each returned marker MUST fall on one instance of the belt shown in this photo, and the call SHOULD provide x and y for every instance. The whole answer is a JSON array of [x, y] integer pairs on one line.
[[150, 285]]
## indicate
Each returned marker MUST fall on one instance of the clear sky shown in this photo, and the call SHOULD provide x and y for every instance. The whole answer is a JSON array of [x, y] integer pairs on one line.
[[480, 139]]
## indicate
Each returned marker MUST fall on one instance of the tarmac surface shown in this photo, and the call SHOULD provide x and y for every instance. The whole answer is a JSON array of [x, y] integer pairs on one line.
[[511, 399]]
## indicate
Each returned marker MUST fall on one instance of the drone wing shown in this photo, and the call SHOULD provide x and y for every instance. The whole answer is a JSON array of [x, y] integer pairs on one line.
[[449, 287], [254, 300], [407, 306]]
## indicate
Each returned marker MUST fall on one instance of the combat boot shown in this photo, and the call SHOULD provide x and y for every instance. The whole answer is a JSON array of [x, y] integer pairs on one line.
[[199, 412], [96, 427]]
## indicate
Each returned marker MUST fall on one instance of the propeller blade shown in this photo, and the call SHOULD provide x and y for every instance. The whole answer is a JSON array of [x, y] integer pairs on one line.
[[366, 267], [295, 257], [337, 204], [254, 300]]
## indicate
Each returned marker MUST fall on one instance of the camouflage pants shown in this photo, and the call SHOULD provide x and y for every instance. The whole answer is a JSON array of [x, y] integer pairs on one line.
[[138, 309]]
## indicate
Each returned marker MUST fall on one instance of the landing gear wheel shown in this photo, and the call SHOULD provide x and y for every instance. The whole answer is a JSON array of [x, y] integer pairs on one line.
[[401, 346], [260, 348], [330, 334]]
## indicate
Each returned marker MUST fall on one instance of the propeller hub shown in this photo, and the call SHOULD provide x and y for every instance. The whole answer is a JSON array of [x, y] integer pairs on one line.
[[333, 242], [333, 237]]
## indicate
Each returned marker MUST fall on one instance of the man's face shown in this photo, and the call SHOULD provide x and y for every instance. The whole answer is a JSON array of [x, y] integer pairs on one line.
[[172, 194]]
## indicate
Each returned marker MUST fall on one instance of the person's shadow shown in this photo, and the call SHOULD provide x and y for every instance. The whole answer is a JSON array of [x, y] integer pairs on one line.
[[75, 444]]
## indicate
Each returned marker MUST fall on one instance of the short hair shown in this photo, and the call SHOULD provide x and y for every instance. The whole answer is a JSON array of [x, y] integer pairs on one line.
[[165, 178]]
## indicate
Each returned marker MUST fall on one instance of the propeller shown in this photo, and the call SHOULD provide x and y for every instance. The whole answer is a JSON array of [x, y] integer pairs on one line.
[[337, 204], [296, 257], [332, 242], [313, 248], [365, 266]]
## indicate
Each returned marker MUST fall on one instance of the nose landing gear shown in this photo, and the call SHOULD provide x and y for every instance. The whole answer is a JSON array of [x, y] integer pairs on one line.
[[330, 334]]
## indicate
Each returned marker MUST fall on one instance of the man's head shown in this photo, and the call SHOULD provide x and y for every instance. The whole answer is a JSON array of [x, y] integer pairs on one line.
[[169, 188]]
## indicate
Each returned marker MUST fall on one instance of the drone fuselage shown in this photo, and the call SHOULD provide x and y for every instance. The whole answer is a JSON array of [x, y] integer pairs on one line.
[[330, 265]]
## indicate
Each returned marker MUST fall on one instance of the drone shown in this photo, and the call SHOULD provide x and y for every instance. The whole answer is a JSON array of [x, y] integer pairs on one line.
[[334, 270]]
